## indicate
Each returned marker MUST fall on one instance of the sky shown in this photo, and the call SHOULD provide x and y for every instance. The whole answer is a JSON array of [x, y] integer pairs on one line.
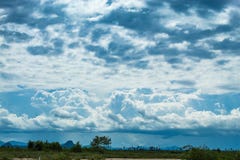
[[144, 72]]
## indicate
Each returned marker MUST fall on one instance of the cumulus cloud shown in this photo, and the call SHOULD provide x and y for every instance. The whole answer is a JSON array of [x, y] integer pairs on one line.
[[84, 50], [115, 65], [10, 121], [94, 10], [134, 110], [180, 46]]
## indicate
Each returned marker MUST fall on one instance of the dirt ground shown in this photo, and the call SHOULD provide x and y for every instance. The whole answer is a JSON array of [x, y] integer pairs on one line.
[[106, 159], [23, 159], [137, 159]]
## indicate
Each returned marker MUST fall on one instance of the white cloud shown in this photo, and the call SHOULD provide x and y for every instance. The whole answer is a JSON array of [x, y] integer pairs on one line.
[[159, 36], [183, 46], [1, 40], [3, 14], [80, 90], [130, 36], [80, 68], [12, 121], [129, 109], [94, 9], [176, 20]]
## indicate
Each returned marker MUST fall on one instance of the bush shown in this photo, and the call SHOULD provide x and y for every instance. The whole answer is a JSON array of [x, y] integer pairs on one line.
[[61, 156], [40, 146], [76, 148], [96, 157], [237, 156], [202, 154]]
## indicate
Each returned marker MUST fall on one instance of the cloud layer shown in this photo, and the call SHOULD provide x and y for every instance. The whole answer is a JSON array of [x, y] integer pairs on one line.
[[129, 110], [112, 65]]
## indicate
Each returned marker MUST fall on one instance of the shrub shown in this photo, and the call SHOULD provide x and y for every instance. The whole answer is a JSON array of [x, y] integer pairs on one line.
[[202, 154], [96, 157], [76, 148], [237, 156]]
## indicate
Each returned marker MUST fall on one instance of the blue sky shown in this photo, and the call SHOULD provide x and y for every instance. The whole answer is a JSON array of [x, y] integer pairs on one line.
[[167, 71]]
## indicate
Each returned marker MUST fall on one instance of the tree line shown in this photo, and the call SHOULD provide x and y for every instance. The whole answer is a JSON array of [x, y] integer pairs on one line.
[[98, 143]]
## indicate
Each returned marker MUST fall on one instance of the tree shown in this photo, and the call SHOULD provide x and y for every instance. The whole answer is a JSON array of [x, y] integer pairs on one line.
[[55, 146], [30, 145], [77, 147], [39, 145], [101, 142]]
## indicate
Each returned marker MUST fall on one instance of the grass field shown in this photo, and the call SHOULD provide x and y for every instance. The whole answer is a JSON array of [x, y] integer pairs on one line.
[[7, 154], [25, 154]]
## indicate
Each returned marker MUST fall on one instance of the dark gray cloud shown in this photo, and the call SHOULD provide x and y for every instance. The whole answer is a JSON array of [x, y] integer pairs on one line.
[[146, 22], [183, 6], [222, 62], [142, 21], [228, 44], [21, 12], [4, 46], [12, 36], [184, 82], [7, 76], [98, 33], [203, 6], [173, 60], [139, 64], [40, 50], [47, 50], [101, 52]]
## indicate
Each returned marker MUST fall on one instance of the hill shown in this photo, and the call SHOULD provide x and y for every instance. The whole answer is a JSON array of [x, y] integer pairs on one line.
[[69, 144], [13, 144]]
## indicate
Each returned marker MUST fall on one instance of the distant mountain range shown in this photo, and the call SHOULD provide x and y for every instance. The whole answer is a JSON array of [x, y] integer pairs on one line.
[[69, 144], [1, 143], [13, 144]]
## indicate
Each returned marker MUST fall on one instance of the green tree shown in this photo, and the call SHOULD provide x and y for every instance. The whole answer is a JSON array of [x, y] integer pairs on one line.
[[101, 142], [55, 146], [77, 147], [39, 145], [30, 145]]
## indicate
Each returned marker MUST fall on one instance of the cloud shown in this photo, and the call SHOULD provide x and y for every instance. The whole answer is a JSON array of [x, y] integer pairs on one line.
[[180, 46], [7, 76], [227, 44], [117, 66], [142, 110], [11, 36], [139, 111], [10, 121]]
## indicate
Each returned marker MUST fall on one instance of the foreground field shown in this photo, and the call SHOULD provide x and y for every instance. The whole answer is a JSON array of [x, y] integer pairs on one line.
[[9, 154], [195, 154], [105, 159], [138, 159]]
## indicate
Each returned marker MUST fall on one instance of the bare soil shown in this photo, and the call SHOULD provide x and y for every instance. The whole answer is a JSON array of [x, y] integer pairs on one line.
[[105, 159]]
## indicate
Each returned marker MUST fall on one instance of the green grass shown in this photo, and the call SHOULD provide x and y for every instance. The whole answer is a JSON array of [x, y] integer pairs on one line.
[[6, 153], [198, 154]]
